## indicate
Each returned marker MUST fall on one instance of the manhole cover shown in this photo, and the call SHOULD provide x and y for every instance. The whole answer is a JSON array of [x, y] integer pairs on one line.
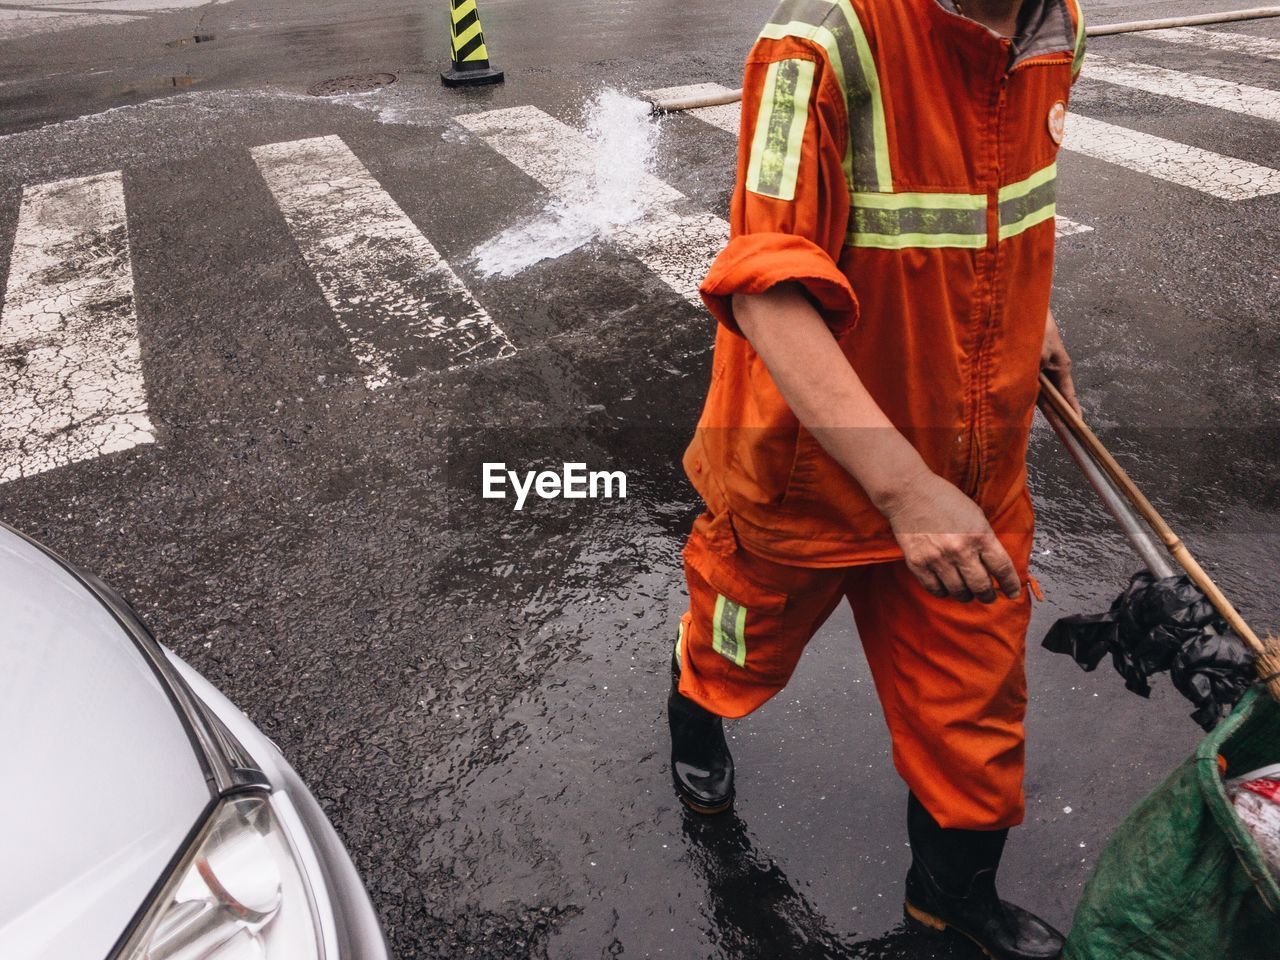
[[356, 83]]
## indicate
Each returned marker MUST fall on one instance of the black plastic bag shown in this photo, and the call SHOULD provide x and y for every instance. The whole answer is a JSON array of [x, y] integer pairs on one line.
[[1163, 625]]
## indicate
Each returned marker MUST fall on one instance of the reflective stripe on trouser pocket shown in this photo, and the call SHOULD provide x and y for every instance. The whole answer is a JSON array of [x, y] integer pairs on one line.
[[779, 132], [896, 221], [729, 630], [1028, 202]]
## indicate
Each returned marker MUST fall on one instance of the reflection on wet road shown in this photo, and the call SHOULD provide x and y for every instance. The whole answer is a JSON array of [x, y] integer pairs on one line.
[[757, 913]]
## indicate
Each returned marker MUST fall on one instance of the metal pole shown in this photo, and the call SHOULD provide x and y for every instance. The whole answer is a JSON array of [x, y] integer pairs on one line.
[[1168, 23], [1139, 536]]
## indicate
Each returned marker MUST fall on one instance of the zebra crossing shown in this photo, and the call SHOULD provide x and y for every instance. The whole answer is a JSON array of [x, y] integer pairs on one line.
[[71, 365], [1242, 43], [1226, 178], [382, 278], [1242, 98], [675, 242]]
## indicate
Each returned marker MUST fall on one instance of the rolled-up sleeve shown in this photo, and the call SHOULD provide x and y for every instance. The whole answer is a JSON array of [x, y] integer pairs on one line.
[[790, 209]]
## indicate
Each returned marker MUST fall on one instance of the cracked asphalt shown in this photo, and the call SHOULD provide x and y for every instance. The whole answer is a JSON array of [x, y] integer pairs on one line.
[[71, 356], [476, 695]]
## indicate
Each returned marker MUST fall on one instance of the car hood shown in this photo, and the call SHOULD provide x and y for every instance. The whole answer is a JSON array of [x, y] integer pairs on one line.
[[103, 785]]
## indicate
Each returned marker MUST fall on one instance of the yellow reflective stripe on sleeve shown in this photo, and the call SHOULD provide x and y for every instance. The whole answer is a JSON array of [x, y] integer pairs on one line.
[[728, 630], [680, 644], [834, 26], [779, 133], [898, 221], [1028, 202]]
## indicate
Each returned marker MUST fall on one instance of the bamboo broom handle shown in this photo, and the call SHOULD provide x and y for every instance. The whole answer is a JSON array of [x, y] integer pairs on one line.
[[1177, 549]]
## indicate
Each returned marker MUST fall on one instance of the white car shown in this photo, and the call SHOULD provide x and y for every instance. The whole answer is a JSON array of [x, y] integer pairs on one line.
[[143, 817]]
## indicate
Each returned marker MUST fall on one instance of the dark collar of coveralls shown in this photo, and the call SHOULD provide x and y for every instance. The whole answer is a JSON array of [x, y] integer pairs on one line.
[[1044, 26]]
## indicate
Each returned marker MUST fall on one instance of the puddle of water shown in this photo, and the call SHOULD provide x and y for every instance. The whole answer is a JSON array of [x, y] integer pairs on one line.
[[143, 87], [622, 137], [195, 38]]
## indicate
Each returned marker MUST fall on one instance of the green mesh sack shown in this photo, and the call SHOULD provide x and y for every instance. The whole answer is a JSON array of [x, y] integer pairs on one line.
[[1182, 879]]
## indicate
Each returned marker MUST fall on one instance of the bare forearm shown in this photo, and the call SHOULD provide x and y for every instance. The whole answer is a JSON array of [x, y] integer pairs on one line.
[[825, 392], [946, 541]]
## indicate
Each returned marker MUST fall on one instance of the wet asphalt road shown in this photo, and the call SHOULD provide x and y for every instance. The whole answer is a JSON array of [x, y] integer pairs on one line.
[[475, 694]]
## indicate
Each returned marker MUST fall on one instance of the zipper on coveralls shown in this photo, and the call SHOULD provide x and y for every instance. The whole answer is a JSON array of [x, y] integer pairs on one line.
[[978, 376]]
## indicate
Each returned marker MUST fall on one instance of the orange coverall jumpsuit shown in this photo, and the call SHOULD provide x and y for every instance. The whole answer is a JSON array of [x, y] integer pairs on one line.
[[898, 161]]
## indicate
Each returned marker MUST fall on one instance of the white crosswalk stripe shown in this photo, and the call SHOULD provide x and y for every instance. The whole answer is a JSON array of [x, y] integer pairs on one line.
[[71, 384], [400, 304], [19, 20], [1242, 43], [1187, 166], [22, 23], [727, 116], [1069, 228], [1191, 87], [673, 240]]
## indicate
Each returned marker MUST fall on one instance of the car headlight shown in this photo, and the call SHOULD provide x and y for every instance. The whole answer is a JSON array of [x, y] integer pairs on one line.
[[240, 894]]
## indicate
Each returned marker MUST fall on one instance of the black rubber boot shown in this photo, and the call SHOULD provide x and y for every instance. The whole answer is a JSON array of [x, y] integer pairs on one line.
[[701, 766], [952, 883]]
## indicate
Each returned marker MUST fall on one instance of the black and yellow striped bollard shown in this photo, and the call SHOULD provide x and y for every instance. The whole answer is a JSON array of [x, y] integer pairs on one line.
[[467, 48]]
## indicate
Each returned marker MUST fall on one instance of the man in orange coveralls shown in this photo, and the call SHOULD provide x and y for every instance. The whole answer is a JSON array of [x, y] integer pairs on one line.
[[883, 308]]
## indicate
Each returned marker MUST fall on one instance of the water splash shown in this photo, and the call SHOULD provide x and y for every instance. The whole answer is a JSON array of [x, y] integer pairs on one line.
[[622, 137]]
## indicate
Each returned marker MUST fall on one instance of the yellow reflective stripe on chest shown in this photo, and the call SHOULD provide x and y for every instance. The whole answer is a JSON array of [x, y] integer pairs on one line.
[[899, 221], [779, 131], [834, 26], [896, 221], [1028, 202]]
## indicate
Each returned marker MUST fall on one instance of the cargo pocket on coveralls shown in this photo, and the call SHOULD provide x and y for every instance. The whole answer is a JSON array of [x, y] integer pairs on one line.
[[742, 607]]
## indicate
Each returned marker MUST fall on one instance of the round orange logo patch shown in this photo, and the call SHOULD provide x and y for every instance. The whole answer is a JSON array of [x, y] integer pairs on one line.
[[1058, 121]]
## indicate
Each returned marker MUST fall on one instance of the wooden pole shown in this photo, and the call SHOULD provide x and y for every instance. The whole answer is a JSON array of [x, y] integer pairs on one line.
[[1177, 549]]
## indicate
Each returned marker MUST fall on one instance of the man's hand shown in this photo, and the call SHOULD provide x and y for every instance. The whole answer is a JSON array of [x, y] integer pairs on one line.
[[948, 544], [1056, 364]]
